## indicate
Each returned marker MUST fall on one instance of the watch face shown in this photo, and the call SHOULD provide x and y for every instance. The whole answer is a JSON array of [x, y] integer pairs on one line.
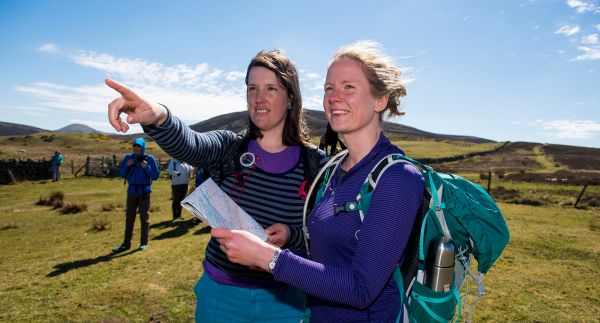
[[271, 265]]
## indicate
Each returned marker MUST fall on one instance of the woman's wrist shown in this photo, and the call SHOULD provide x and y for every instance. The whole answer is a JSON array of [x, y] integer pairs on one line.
[[267, 256], [162, 113]]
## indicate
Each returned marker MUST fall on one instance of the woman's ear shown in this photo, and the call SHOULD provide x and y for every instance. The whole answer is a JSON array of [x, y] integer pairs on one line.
[[381, 103]]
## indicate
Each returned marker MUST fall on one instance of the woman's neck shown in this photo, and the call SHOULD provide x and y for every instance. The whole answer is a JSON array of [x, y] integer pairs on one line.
[[271, 141], [359, 145]]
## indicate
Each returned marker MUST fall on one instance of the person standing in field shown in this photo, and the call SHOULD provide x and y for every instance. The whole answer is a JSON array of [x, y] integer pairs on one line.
[[139, 170], [180, 179], [55, 162]]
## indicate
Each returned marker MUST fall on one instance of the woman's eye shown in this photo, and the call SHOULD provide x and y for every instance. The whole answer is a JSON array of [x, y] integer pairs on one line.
[[251, 88], [272, 88], [328, 89], [349, 87]]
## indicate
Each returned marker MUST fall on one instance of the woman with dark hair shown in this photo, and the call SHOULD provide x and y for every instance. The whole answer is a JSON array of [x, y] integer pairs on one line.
[[269, 186], [349, 278]]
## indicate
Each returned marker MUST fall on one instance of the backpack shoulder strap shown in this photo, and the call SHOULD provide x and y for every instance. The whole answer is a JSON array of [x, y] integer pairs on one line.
[[231, 162], [311, 158], [314, 194]]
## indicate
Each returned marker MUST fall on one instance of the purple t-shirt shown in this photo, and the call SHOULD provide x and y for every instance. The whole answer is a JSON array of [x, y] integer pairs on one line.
[[275, 163]]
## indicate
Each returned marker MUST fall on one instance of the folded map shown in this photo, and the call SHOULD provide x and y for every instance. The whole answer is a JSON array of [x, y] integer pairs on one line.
[[215, 208]]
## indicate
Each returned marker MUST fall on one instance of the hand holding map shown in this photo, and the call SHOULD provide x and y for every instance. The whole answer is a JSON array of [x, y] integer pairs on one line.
[[211, 205]]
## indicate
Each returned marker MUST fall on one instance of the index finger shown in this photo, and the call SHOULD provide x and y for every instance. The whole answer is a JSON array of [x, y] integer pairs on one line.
[[126, 92]]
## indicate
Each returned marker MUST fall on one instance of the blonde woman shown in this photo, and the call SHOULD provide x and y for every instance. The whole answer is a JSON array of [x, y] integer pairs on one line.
[[349, 278]]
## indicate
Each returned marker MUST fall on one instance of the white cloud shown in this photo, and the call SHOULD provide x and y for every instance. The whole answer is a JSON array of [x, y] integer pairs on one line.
[[192, 92], [571, 129], [597, 26], [590, 39], [589, 53], [48, 48], [568, 30], [311, 75], [583, 6], [234, 75]]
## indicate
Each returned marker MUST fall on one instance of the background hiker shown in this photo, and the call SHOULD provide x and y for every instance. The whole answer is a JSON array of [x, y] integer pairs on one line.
[[180, 179], [55, 162], [139, 170]]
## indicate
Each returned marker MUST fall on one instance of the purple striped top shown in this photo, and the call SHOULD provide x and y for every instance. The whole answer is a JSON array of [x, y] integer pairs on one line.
[[275, 163], [350, 275]]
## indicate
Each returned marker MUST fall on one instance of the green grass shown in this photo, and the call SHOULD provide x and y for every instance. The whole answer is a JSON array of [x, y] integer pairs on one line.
[[548, 165], [549, 271], [73, 146], [549, 193], [56, 268], [437, 149]]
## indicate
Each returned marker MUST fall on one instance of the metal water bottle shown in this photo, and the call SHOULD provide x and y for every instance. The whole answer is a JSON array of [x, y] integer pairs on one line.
[[440, 265]]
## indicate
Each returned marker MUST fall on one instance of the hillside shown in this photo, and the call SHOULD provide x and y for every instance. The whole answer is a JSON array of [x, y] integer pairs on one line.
[[77, 127], [317, 123], [15, 129]]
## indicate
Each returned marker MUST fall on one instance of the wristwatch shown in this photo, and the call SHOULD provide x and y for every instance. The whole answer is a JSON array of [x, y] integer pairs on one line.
[[273, 261]]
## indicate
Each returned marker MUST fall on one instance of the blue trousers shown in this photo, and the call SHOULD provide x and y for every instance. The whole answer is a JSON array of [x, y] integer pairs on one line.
[[223, 303]]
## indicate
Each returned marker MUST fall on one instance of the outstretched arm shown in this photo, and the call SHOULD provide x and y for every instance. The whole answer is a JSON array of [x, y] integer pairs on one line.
[[171, 134]]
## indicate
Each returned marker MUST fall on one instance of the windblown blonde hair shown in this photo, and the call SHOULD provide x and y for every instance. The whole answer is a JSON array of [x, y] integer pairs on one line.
[[381, 72]]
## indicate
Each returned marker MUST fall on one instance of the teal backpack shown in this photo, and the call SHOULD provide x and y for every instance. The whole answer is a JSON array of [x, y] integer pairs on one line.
[[452, 207]]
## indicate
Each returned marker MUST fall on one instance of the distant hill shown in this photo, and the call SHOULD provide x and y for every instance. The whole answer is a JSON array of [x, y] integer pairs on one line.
[[77, 127], [317, 123], [15, 129]]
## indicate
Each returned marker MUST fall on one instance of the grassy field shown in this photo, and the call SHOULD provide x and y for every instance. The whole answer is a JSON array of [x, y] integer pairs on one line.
[[56, 268], [437, 149], [74, 146]]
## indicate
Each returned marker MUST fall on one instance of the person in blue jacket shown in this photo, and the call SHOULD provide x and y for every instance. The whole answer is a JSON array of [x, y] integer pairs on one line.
[[56, 161], [139, 170]]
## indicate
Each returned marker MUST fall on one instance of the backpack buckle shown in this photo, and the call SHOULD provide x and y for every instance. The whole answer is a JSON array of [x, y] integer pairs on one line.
[[346, 207]]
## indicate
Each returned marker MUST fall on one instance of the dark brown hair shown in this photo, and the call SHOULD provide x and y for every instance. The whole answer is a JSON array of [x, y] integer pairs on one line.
[[295, 131]]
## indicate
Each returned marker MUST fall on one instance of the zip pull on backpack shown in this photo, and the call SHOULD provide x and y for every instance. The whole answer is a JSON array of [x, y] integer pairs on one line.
[[453, 208]]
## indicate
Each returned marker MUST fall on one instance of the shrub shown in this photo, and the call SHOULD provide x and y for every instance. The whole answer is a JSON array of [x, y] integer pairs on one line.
[[527, 201], [55, 199], [100, 224], [501, 193], [591, 201], [500, 173], [11, 225], [107, 207], [57, 204], [73, 208]]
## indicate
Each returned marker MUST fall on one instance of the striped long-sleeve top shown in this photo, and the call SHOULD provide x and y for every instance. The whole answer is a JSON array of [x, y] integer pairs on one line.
[[268, 198], [350, 275]]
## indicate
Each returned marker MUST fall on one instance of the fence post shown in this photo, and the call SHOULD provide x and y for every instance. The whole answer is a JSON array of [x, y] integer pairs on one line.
[[489, 181], [581, 194], [87, 166]]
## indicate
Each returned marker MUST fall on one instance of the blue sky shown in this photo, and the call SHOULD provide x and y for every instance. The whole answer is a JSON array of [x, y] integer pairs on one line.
[[504, 70]]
